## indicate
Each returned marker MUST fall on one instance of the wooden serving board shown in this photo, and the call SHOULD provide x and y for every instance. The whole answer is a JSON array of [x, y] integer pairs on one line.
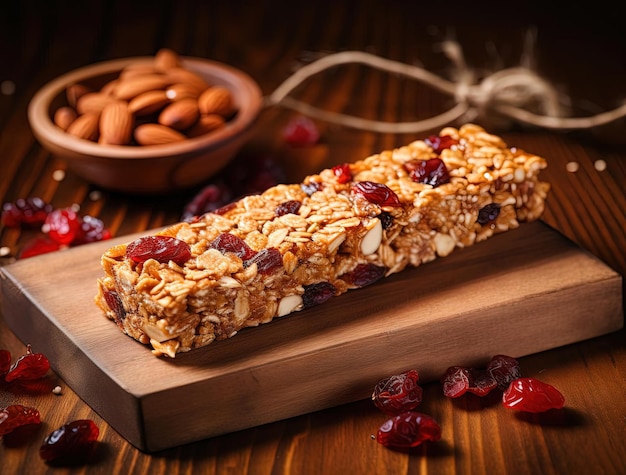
[[518, 293]]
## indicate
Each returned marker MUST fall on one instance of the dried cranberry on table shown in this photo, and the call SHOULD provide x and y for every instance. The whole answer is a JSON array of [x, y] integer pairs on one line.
[[532, 395], [161, 248], [504, 369], [301, 131], [408, 429], [28, 367], [500, 371], [61, 225], [28, 211], [37, 246], [90, 229], [16, 415], [71, 443], [398, 393]]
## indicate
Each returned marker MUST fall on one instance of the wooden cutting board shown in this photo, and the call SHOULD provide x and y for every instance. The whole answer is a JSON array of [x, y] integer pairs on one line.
[[520, 292]]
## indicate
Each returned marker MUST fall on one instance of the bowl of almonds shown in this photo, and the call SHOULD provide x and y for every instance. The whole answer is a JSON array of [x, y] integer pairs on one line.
[[147, 125]]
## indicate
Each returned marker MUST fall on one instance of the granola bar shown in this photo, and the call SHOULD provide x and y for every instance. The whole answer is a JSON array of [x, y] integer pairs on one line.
[[295, 246]]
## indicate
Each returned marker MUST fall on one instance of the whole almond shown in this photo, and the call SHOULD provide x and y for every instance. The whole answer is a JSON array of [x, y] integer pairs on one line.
[[182, 90], [180, 115], [116, 124], [75, 92], [157, 134], [140, 69], [206, 123], [166, 59], [64, 116], [216, 100], [109, 87], [92, 102], [85, 126], [148, 102], [129, 88], [192, 79]]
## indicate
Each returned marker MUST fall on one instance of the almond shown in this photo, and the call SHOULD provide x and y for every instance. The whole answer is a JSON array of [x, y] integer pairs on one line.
[[156, 134], [92, 102], [116, 124], [85, 126], [64, 116], [109, 87], [148, 102], [166, 59], [180, 115], [129, 88], [141, 69], [193, 80], [182, 91], [206, 123], [75, 92], [216, 100]]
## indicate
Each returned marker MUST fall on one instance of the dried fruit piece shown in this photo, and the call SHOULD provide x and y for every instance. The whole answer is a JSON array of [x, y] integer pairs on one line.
[[385, 219], [301, 132], [488, 213], [70, 443], [28, 367], [90, 229], [30, 211], [504, 369], [288, 207], [161, 248], [398, 393], [481, 382], [364, 274], [376, 193], [456, 381], [114, 302], [532, 395], [430, 172], [16, 415], [266, 260], [38, 246], [407, 430], [440, 142], [5, 362], [311, 187], [227, 242], [62, 225], [316, 294], [342, 173]]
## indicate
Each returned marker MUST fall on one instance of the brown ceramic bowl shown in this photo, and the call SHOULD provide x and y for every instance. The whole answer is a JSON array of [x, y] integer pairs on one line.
[[155, 168]]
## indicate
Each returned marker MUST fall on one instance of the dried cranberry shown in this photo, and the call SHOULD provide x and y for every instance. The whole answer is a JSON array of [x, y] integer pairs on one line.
[[161, 248], [481, 382], [227, 242], [288, 207], [532, 395], [488, 213], [407, 430], [342, 173], [439, 143], [385, 219], [311, 187], [301, 132], [318, 293], [504, 369], [456, 381], [376, 193], [91, 229], [5, 362], [266, 260], [70, 443], [113, 300], [28, 367], [398, 393], [38, 246], [62, 225], [16, 415], [364, 274], [430, 172], [30, 211]]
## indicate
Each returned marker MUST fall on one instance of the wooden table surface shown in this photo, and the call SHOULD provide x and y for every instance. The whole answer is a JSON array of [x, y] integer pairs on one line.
[[582, 54]]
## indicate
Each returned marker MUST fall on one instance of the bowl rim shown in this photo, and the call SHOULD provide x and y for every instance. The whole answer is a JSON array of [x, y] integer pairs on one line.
[[249, 97]]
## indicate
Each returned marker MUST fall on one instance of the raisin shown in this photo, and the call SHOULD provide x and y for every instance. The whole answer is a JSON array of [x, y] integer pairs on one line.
[[62, 225], [364, 274], [113, 300], [227, 242], [5, 362], [385, 219], [318, 293], [71, 443], [311, 187], [398, 393], [30, 211], [376, 193], [430, 172], [301, 132], [28, 367], [488, 213], [407, 430], [440, 143], [504, 369], [288, 207], [342, 173], [16, 415], [532, 395], [266, 260], [161, 248], [456, 381]]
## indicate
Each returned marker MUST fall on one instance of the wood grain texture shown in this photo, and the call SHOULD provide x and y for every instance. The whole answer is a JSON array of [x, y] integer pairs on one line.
[[581, 53]]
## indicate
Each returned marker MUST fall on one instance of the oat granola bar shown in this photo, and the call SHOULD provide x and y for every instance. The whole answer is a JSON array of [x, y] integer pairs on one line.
[[295, 246]]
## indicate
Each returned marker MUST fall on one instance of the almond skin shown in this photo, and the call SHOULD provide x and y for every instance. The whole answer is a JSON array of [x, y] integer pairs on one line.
[[166, 59], [180, 115], [182, 90], [116, 124], [64, 116], [85, 126], [129, 88], [216, 100], [92, 102], [75, 92], [148, 103], [206, 123], [157, 134], [193, 80]]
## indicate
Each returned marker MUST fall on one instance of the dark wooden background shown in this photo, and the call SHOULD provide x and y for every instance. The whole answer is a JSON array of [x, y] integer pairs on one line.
[[581, 50]]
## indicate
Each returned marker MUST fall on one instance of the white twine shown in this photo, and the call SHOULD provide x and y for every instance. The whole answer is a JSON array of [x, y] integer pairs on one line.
[[510, 92]]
